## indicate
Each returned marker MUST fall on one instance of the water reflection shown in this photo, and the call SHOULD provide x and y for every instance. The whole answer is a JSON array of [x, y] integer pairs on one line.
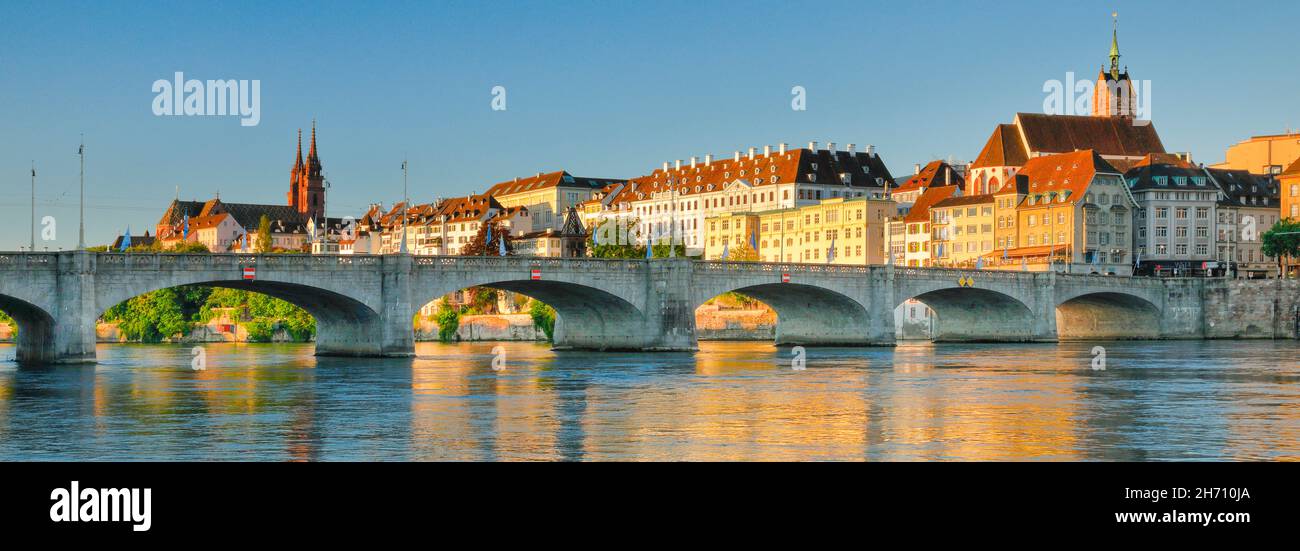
[[730, 401]]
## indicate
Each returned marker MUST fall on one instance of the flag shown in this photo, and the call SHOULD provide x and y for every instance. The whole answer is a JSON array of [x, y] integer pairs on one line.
[[245, 242], [1004, 253], [753, 242], [488, 241], [979, 263], [501, 246], [726, 250], [830, 253], [126, 239], [81, 149], [185, 227]]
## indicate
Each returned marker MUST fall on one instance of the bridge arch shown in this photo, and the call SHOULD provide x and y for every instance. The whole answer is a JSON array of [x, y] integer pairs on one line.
[[36, 327], [344, 326], [597, 303], [974, 314], [808, 315], [1107, 315]]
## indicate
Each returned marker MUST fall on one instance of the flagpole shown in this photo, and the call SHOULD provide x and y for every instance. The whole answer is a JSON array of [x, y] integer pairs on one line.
[[406, 200], [32, 246], [81, 238]]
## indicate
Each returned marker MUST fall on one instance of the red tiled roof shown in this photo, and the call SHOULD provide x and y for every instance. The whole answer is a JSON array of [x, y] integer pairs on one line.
[[547, 180], [794, 165], [920, 211], [1293, 170], [936, 173], [1067, 172], [1003, 148], [1111, 136]]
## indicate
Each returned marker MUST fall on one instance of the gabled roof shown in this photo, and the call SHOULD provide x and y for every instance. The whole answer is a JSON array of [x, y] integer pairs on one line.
[[1176, 175], [920, 211], [1293, 170], [1110, 136], [963, 201], [247, 215], [548, 180], [1004, 148], [1241, 188], [935, 173], [795, 165], [1068, 173]]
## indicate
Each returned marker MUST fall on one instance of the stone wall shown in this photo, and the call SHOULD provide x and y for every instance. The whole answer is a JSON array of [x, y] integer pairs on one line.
[[498, 327], [1250, 309], [714, 324]]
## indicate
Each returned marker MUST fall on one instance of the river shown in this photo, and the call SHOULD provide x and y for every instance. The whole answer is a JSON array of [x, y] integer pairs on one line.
[[1167, 400]]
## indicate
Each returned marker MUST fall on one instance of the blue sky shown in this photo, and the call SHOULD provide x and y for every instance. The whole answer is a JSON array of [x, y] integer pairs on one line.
[[605, 89]]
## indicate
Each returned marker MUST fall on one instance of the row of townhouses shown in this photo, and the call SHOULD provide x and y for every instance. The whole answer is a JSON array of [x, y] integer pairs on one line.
[[1094, 193]]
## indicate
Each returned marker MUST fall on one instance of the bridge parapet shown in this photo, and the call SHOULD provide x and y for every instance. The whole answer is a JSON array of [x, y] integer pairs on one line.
[[26, 261]]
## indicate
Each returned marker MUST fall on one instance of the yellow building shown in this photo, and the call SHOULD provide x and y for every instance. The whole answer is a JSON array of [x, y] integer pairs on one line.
[[853, 228], [1263, 154], [1076, 217], [732, 232], [962, 229]]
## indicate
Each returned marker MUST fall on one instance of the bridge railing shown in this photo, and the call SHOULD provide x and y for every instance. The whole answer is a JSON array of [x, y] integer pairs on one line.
[[528, 262], [217, 261], [24, 261]]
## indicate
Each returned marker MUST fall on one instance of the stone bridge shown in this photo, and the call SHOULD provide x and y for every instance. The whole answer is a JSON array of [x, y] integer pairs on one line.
[[364, 305]]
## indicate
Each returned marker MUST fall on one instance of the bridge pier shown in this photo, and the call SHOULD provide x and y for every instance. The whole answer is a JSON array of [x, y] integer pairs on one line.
[[669, 311], [72, 338]]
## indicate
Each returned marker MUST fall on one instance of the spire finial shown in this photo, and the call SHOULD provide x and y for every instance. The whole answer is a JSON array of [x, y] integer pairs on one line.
[[312, 153], [1114, 45], [297, 164]]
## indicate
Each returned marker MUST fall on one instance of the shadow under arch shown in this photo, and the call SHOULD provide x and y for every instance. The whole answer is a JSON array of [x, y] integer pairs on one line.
[[344, 326], [585, 317], [36, 327], [1107, 315], [808, 315], [970, 314]]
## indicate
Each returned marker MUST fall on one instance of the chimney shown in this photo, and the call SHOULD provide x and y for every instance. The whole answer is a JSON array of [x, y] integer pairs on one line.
[[830, 146], [918, 169], [677, 165], [782, 148], [812, 146], [693, 159], [738, 156], [665, 166], [851, 148], [708, 160], [751, 152], [871, 150], [767, 151]]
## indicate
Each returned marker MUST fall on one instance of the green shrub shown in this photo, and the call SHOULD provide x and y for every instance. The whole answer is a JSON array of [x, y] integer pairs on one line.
[[543, 317]]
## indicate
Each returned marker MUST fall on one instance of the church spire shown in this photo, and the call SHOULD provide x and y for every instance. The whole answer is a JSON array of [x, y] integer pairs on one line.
[[297, 164], [1114, 46], [311, 156]]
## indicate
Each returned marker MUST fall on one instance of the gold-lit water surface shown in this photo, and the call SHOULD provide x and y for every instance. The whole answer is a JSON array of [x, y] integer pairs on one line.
[[1188, 400]]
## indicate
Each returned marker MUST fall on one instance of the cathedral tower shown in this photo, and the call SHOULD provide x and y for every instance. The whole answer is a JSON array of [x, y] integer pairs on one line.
[[1113, 96], [307, 184]]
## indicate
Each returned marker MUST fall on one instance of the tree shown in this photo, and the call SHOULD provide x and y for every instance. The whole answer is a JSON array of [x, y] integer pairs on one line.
[[480, 246], [264, 243], [1282, 241], [544, 317], [614, 239], [743, 253], [448, 320]]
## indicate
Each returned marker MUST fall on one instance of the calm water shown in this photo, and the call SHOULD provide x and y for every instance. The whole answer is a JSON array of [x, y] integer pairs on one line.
[[730, 401]]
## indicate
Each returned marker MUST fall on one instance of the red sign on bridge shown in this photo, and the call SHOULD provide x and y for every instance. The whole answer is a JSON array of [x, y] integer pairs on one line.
[[536, 274], [250, 273]]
